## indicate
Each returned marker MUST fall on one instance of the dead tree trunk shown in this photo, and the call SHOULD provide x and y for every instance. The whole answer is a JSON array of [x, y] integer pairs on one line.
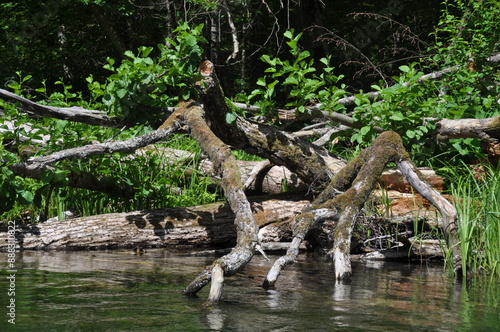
[[246, 226]]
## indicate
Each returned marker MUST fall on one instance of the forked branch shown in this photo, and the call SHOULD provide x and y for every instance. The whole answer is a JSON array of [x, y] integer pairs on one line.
[[346, 195]]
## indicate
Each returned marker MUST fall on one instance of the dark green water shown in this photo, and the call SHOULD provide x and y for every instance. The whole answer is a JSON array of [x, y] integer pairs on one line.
[[119, 291]]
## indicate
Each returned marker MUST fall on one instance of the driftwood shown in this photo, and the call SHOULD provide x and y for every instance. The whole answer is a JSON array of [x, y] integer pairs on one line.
[[207, 225]]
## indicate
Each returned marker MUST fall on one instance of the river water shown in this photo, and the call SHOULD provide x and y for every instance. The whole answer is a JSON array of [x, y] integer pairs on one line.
[[120, 291]]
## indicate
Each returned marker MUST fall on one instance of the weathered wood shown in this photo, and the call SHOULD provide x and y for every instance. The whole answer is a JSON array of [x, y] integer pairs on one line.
[[216, 285], [35, 165], [313, 164], [225, 163], [205, 225], [487, 130], [449, 215]]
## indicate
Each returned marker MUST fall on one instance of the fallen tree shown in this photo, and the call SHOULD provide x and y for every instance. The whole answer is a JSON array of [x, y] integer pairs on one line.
[[349, 185]]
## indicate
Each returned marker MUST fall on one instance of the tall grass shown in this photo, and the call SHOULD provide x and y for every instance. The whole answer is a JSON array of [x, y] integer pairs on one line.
[[477, 200]]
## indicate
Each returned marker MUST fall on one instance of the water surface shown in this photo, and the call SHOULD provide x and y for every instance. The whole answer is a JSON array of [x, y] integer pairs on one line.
[[120, 291]]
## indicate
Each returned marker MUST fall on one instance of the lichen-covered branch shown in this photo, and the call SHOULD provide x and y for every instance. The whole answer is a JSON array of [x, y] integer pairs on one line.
[[34, 166]]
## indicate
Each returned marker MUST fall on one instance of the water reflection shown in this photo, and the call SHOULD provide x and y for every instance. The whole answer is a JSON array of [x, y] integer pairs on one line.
[[119, 291]]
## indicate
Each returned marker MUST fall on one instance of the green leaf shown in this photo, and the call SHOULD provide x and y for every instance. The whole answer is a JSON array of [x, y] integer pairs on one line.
[[27, 197], [121, 93], [267, 59], [190, 40], [47, 176], [303, 55], [59, 175], [404, 69], [397, 116], [291, 80], [230, 117], [288, 34], [364, 130], [130, 54]]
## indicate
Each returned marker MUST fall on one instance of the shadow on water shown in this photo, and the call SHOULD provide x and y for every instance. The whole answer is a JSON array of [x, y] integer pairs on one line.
[[120, 291]]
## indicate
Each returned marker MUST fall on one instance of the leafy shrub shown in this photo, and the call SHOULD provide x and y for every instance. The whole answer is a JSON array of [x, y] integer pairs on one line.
[[158, 81]]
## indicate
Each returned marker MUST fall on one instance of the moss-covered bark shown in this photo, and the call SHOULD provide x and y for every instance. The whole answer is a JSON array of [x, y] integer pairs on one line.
[[246, 226]]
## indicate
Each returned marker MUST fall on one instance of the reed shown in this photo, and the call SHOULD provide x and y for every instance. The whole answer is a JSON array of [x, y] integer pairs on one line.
[[477, 200]]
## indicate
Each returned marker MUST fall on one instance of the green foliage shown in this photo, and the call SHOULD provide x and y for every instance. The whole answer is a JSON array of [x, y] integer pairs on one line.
[[12, 190], [410, 106], [296, 81], [157, 181], [400, 108], [467, 30], [150, 78], [156, 81]]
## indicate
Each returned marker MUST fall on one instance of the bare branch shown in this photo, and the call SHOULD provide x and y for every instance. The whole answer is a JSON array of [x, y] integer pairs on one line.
[[74, 113], [247, 229], [37, 164], [236, 45]]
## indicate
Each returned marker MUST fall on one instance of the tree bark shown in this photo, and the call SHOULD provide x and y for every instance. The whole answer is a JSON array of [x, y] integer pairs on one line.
[[246, 226], [487, 130], [313, 164]]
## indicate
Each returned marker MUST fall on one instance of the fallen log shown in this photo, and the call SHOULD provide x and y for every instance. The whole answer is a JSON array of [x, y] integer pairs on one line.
[[206, 225]]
